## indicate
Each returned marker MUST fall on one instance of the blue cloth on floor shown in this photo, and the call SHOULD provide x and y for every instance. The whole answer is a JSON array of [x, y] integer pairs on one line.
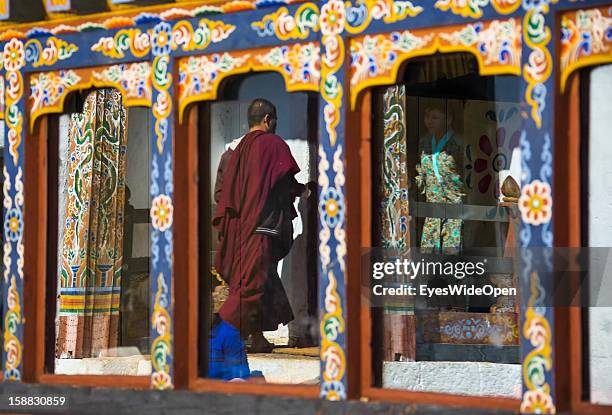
[[227, 354]]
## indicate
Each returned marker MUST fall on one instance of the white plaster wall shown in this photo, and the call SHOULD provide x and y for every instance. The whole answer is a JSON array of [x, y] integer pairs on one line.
[[457, 378], [138, 154], [136, 365], [291, 108], [600, 230], [226, 126], [288, 369]]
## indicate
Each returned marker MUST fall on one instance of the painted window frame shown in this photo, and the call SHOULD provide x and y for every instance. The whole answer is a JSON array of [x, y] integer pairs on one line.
[[333, 27], [574, 67]]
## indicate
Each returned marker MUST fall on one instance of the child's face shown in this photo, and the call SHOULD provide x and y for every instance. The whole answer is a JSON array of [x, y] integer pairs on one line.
[[435, 121]]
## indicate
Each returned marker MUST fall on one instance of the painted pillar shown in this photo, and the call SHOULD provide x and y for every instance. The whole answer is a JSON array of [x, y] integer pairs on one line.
[[162, 210], [13, 180], [535, 204], [332, 211]]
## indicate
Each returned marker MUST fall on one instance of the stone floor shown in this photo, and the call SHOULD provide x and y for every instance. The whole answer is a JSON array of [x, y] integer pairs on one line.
[[463, 378], [286, 368], [131, 365], [283, 365]]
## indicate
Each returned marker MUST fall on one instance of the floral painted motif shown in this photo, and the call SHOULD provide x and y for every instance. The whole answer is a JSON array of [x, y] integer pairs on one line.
[[132, 18], [48, 89], [13, 225], [537, 398], [376, 56], [134, 80], [162, 212], [586, 39], [161, 348], [200, 76], [298, 63], [14, 94], [376, 59], [161, 39], [332, 354], [14, 55], [332, 25], [361, 14], [332, 234], [286, 26], [493, 156], [539, 66], [470, 328], [537, 402], [187, 38], [55, 50], [13, 347], [164, 39], [339, 229], [497, 43], [134, 40], [325, 232], [332, 18], [535, 203], [331, 207]]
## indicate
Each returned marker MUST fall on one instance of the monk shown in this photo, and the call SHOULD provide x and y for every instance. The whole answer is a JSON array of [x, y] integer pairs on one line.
[[225, 158], [254, 218]]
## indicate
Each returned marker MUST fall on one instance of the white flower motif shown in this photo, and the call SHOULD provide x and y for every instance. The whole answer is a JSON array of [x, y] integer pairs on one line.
[[14, 56], [535, 203], [332, 18]]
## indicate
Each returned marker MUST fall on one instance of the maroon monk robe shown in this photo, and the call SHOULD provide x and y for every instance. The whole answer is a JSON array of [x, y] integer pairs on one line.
[[256, 172]]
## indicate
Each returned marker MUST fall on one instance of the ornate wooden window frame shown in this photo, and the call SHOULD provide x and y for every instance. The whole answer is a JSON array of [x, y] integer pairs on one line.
[[543, 354], [585, 42], [199, 79], [376, 60], [161, 36], [48, 91], [136, 54]]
